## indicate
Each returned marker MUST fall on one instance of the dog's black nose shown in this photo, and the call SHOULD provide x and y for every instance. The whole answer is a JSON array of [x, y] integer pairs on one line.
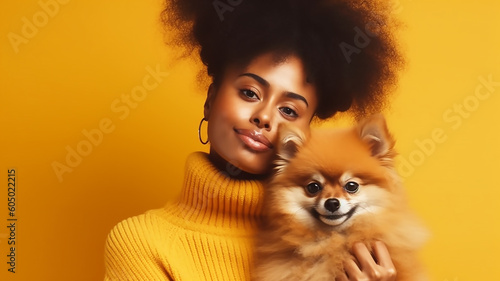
[[332, 204]]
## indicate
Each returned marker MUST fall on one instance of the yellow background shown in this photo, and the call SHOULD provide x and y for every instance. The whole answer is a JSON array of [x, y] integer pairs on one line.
[[83, 58]]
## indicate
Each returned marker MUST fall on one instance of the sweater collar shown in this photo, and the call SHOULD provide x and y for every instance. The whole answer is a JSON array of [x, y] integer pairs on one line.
[[211, 197]]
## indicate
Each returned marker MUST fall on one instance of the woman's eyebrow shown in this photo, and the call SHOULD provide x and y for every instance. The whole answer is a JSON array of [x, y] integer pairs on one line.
[[296, 96], [259, 79], [265, 83]]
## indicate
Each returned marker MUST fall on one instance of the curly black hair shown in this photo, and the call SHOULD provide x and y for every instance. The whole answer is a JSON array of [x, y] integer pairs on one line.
[[348, 47]]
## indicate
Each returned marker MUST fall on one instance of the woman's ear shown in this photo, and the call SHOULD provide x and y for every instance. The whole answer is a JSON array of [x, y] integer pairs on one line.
[[209, 100]]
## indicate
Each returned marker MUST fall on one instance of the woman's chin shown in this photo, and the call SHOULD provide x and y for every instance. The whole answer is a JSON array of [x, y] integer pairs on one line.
[[246, 165], [254, 171], [258, 164]]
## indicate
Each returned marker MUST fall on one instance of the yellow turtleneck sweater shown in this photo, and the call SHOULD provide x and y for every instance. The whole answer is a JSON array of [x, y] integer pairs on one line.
[[207, 234]]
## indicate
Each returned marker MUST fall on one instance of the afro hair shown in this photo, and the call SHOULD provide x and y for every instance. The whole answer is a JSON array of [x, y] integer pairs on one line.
[[348, 47]]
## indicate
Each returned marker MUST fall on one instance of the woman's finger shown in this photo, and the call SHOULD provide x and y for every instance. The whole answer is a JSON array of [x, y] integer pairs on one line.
[[369, 268], [342, 277], [363, 256], [352, 270], [383, 257]]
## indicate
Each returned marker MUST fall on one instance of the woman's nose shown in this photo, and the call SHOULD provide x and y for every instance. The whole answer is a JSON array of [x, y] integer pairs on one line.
[[262, 118], [261, 124]]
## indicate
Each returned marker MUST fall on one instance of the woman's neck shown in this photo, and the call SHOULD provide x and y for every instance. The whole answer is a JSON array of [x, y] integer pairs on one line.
[[211, 199], [232, 171]]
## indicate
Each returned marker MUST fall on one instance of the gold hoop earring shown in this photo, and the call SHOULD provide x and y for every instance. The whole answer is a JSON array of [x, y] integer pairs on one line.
[[199, 131]]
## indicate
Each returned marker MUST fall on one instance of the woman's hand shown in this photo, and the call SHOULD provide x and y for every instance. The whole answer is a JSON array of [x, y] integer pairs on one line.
[[367, 267]]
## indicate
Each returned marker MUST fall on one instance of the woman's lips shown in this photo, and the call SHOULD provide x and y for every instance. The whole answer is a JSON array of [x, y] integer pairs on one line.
[[254, 140]]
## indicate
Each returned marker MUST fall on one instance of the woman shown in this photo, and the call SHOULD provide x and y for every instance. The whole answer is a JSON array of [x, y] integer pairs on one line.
[[271, 62]]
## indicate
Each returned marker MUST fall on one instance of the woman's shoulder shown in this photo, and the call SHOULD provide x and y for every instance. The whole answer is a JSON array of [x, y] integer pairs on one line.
[[134, 249], [136, 237], [138, 226]]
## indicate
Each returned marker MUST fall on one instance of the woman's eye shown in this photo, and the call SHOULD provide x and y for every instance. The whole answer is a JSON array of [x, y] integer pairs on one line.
[[313, 188], [289, 112], [351, 187], [249, 94]]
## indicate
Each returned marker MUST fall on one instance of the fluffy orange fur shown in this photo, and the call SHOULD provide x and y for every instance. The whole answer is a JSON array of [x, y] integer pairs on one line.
[[295, 244]]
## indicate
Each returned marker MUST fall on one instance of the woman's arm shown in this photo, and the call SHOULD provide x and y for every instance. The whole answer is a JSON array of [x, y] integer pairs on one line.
[[130, 253], [378, 267]]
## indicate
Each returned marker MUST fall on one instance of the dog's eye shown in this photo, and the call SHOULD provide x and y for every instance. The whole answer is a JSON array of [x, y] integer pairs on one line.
[[313, 188], [351, 187]]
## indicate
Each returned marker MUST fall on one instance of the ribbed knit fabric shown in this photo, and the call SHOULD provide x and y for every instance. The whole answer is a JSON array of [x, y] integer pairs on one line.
[[207, 234]]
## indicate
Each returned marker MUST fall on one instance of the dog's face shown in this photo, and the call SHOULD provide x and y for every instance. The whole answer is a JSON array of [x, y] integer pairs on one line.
[[334, 176]]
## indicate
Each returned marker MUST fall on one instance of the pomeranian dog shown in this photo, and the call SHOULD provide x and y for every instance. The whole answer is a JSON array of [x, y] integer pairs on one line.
[[332, 189]]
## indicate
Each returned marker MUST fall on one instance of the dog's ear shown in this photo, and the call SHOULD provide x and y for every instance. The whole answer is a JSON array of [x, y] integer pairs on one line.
[[290, 139], [374, 132]]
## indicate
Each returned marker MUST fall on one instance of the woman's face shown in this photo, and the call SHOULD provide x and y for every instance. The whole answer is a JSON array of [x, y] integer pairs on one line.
[[244, 112]]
